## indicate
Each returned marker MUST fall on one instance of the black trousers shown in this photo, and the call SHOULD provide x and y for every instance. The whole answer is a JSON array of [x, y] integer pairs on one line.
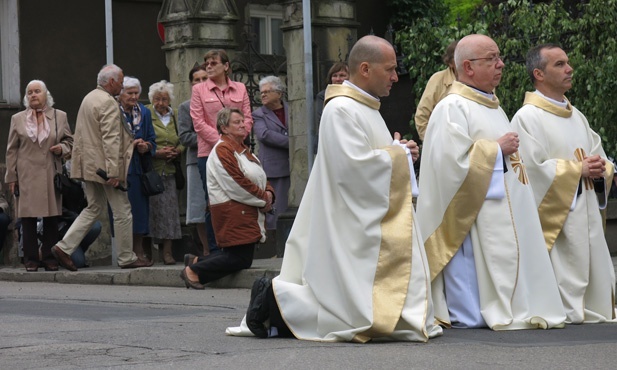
[[30, 239], [224, 262], [5, 221], [276, 319]]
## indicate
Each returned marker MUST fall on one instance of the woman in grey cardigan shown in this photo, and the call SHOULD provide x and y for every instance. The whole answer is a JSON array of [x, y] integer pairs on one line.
[[270, 125]]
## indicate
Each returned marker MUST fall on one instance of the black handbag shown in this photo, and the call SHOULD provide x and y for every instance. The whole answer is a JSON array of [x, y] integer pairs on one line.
[[151, 181], [73, 197]]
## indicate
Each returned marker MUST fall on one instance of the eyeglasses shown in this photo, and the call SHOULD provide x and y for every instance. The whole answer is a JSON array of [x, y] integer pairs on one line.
[[265, 92], [494, 59], [212, 63]]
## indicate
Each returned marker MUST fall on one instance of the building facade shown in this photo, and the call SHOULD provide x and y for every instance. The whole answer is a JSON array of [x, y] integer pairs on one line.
[[65, 43]]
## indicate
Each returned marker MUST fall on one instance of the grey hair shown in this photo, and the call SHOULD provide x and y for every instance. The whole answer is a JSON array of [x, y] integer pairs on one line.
[[50, 99], [461, 53], [130, 82], [223, 117], [274, 81], [161, 86], [534, 59], [108, 72]]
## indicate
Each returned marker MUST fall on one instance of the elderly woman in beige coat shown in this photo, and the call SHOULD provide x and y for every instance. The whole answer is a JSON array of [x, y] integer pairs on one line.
[[38, 138]]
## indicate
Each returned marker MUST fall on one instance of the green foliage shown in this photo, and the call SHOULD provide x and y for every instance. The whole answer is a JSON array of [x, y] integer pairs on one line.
[[587, 34], [404, 10], [461, 10]]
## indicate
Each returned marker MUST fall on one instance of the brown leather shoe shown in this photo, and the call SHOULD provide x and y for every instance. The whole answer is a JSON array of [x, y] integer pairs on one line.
[[50, 265], [63, 259], [137, 264]]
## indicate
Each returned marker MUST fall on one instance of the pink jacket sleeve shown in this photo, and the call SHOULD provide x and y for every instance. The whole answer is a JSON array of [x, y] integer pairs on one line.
[[205, 127]]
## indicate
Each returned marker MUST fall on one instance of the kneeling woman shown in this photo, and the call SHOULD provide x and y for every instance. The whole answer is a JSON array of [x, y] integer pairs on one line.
[[239, 197]]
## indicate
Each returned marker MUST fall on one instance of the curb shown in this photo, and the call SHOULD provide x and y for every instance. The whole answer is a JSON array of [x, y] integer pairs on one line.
[[158, 275], [165, 276]]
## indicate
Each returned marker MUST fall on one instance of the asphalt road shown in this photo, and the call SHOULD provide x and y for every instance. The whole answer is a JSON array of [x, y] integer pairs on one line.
[[58, 326]]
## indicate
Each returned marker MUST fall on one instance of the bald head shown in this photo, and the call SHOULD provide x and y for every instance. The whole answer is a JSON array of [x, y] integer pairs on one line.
[[372, 65], [368, 49], [470, 47], [477, 62]]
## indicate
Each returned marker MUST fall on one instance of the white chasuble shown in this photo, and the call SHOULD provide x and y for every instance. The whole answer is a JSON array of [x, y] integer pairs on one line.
[[554, 140], [516, 285], [354, 267]]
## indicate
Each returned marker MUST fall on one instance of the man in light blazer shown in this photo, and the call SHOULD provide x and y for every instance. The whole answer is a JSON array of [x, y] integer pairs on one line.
[[102, 140], [270, 125]]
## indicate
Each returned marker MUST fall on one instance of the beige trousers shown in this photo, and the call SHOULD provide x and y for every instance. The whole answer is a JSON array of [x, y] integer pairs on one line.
[[98, 195]]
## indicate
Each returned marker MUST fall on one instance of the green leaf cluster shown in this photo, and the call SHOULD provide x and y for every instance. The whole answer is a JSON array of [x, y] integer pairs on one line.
[[587, 34], [403, 10]]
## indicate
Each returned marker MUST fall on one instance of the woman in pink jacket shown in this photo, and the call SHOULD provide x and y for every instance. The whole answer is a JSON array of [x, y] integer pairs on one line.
[[207, 99]]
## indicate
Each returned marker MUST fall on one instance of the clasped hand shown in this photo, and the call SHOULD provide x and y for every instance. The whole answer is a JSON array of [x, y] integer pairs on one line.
[[56, 149], [593, 166], [412, 145], [167, 152], [142, 146], [508, 143], [268, 207]]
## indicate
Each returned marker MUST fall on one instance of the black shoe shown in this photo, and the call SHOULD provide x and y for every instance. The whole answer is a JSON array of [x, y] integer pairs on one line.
[[258, 311]]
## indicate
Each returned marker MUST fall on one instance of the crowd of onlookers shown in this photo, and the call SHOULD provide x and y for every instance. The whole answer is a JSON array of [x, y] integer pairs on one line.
[[230, 193]]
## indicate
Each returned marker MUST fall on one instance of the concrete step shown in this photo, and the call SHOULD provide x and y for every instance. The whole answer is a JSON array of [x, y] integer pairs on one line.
[[157, 275]]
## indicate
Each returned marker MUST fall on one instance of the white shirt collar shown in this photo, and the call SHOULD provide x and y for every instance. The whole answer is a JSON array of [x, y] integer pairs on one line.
[[561, 104], [349, 84]]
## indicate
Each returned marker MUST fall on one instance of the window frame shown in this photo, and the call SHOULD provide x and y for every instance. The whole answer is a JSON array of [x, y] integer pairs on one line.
[[9, 53], [268, 13]]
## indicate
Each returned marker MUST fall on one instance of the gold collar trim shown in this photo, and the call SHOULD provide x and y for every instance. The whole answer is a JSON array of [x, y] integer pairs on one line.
[[538, 101], [332, 91], [469, 93]]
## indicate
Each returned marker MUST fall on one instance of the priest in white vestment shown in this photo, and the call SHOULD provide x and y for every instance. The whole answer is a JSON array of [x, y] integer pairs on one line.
[[571, 176], [481, 228], [354, 267]]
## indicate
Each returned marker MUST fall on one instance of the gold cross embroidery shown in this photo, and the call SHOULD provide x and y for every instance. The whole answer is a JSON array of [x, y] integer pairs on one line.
[[519, 168], [580, 155]]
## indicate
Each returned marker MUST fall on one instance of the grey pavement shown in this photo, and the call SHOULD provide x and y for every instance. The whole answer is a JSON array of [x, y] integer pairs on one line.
[[76, 326], [157, 275]]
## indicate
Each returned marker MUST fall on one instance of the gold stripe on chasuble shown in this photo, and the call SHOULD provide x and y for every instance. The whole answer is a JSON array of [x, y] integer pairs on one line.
[[463, 209], [394, 262], [609, 173], [555, 205]]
